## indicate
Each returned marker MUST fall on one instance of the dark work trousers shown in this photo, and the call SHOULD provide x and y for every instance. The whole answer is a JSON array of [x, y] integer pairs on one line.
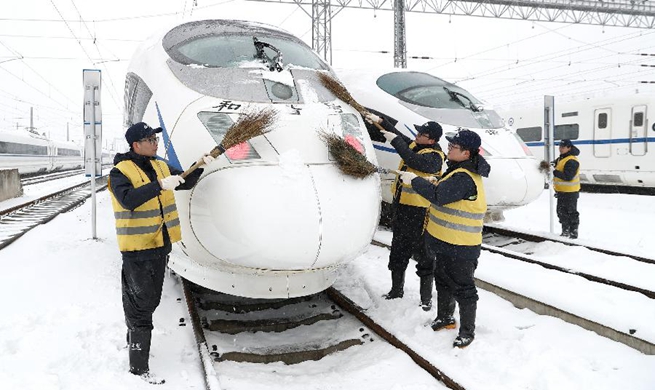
[[454, 282], [567, 210], [142, 282], [407, 240]]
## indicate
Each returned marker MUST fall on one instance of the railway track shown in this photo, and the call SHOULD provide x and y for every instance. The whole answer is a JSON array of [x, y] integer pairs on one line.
[[18, 220], [29, 180], [503, 237], [330, 322]]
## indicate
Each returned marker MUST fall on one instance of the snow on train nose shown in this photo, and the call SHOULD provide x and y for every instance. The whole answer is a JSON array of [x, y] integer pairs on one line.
[[283, 217], [516, 182]]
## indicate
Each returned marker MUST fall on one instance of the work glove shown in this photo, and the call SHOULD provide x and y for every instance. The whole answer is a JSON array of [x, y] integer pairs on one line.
[[372, 118], [389, 136], [171, 182], [207, 159], [406, 177]]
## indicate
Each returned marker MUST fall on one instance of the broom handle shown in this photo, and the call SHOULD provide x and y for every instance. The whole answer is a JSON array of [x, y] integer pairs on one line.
[[217, 151]]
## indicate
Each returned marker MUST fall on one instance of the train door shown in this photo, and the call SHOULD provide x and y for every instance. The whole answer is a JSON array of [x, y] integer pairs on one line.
[[638, 131], [50, 157], [602, 132]]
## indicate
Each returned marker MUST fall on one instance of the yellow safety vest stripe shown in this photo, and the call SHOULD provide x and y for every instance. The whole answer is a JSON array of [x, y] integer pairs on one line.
[[572, 185], [142, 228], [407, 195], [461, 222]]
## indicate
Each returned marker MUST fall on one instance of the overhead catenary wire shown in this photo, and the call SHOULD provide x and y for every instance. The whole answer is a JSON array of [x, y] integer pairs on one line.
[[112, 89]]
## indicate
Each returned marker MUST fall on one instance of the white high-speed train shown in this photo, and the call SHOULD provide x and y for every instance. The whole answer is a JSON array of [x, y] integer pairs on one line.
[[32, 153], [413, 98], [615, 136], [273, 218]]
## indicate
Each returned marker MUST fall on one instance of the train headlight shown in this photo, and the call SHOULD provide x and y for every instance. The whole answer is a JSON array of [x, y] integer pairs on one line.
[[281, 91], [217, 123], [352, 132]]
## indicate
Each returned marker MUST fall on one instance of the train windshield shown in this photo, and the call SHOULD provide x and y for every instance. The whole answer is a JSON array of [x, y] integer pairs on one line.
[[237, 50], [454, 105]]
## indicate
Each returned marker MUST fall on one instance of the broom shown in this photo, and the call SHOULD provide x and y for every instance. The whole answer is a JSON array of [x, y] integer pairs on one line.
[[544, 166], [349, 160], [339, 90], [249, 126]]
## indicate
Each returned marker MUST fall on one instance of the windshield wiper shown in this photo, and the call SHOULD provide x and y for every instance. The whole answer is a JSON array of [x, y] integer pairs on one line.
[[274, 63], [456, 97]]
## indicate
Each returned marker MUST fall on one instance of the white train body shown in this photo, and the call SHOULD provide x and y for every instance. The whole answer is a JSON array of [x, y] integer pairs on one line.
[[32, 153], [274, 218], [615, 136], [415, 98]]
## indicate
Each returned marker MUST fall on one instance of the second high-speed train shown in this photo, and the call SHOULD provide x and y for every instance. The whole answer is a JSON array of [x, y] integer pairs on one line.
[[32, 153], [615, 135], [414, 98], [273, 217]]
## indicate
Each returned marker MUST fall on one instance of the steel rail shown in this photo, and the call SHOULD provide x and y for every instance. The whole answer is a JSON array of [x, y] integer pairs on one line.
[[523, 302], [533, 237], [358, 312], [18, 220]]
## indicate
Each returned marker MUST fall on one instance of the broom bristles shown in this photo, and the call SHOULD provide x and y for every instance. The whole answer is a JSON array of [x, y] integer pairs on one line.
[[544, 166], [348, 159], [339, 90], [249, 126]]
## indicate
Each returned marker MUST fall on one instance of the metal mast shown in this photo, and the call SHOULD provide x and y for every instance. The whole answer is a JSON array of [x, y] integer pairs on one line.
[[322, 29], [621, 13], [399, 44]]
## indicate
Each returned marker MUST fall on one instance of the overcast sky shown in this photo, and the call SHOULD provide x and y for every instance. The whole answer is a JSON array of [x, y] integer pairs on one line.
[[45, 45]]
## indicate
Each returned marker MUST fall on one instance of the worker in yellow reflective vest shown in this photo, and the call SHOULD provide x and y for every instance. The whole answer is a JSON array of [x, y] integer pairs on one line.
[[454, 231], [566, 182], [423, 157], [141, 188]]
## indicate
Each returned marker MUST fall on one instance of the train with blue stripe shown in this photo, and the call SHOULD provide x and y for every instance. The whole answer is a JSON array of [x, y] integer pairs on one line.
[[273, 217], [413, 98], [615, 135]]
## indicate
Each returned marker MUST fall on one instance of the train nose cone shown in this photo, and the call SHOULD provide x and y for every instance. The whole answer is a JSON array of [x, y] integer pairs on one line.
[[271, 217]]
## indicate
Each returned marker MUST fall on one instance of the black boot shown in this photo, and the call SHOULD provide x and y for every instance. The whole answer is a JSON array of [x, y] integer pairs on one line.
[[397, 285], [426, 292], [467, 324], [445, 310], [566, 230], [139, 348], [574, 232], [443, 323]]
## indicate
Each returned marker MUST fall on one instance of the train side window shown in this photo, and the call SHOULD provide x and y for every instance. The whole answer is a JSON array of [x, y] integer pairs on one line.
[[68, 152], [529, 134], [638, 119], [16, 148], [570, 131], [137, 97], [602, 120]]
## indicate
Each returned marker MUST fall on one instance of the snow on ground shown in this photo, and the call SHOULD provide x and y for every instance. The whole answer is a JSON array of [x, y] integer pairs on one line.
[[62, 322]]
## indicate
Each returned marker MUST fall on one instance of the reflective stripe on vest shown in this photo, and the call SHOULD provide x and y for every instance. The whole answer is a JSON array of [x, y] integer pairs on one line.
[[407, 195], [572, 185], [459, 223], [141, 228]]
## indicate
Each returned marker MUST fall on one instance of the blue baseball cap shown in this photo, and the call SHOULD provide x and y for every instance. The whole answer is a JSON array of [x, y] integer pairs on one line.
[[139, 131], [466, 139], [432, 129], [566, 142]]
